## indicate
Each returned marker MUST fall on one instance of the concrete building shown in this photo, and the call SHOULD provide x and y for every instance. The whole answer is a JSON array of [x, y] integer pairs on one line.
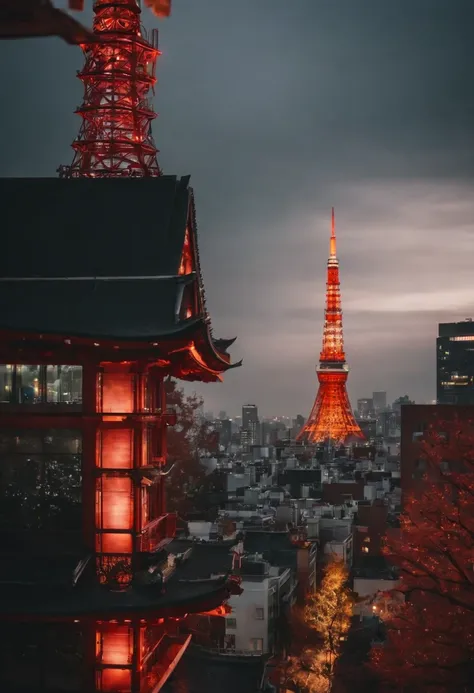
[[252, 625]]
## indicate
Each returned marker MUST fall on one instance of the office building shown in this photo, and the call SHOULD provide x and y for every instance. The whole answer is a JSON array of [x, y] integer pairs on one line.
[[250, 425], [379, 400], [455, 363]]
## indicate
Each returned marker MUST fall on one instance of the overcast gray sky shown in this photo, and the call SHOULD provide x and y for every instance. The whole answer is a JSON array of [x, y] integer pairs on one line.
[[280, 109]]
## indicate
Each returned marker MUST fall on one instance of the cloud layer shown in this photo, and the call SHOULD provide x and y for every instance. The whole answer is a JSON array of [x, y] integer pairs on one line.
[[280, 110]]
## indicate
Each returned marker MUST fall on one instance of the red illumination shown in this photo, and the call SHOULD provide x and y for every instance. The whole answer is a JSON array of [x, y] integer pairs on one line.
[[331, 417], [113, 680], [161, 8], [114, 543], [186, 264], [199, 359], [115, 136], [220, 611], [118, 393], [116, 646], [117, 448], [115, 506]]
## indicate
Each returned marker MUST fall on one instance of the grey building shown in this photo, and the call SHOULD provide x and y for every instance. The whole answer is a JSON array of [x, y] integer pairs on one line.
[[379, 400]]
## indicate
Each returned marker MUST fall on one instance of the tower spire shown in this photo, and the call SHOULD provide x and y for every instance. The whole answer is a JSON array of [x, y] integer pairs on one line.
[[115, 137], [331, 417], [333, 341], [332, 240]]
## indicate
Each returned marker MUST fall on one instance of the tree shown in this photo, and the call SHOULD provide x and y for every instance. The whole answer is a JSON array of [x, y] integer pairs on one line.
[[186, 443], [430, 639], [328, 615]]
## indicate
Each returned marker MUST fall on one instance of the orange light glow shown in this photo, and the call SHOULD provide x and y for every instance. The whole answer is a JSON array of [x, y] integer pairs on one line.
[[117, 646], [222, 610], [113, 680], [198, 358], [115, 503], [186, 264], [118, 393], [109, 542], [117, 448]]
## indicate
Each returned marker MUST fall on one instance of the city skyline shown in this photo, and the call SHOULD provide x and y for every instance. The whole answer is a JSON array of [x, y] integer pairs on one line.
[[366, 108]]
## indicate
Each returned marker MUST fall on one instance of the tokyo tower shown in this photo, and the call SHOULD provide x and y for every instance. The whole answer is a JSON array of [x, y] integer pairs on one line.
[[331, 417]]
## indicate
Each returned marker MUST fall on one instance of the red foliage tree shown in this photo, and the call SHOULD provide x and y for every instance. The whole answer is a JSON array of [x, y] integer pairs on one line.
[[430, 639], [187, 442]]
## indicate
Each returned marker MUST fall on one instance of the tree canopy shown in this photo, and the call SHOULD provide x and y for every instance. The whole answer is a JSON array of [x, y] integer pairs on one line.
[[328, 615], [187, 442], [430, 643]]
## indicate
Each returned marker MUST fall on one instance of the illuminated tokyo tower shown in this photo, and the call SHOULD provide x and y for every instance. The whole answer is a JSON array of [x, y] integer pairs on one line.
[[331, 417]]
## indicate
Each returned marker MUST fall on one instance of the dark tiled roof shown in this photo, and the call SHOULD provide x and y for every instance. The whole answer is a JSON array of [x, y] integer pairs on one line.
[[276, 547], [54, 229], [55, 602], [205, 559], [124, 309]]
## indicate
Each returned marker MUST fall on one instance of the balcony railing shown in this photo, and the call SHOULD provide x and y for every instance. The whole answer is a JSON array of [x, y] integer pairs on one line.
[[155, 532]]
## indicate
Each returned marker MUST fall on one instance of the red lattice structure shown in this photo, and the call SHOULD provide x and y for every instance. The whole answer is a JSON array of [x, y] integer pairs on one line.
[[331, 417], [115, 136]]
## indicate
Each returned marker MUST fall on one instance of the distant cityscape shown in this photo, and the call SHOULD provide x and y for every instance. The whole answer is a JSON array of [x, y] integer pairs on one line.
[[148, 544]]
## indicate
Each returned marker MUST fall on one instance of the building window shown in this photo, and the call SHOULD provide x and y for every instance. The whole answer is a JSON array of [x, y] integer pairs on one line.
[[34, 384], [229, 642], [40, 479], [231, 623], [6, 382], [28, 385], [260, 613], [64, 384], [256, 644]]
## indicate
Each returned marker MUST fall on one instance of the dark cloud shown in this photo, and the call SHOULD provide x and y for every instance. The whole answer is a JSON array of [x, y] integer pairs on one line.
[[279, 110]]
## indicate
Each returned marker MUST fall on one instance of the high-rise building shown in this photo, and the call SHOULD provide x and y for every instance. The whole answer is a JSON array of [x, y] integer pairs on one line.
[[331, 417], [379, 400], [250, 425], [225, 432], [297, 424], [365, 408], [455, 363]]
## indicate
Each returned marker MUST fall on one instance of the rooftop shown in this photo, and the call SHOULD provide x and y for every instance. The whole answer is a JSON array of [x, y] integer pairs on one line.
[[53, 587]]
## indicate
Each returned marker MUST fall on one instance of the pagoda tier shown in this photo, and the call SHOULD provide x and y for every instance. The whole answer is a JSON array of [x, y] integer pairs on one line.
[[101, 299], [331, 418], [131, 272]]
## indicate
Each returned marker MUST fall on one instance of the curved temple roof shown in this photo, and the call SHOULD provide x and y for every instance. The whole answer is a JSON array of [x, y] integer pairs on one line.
[[100, 259]]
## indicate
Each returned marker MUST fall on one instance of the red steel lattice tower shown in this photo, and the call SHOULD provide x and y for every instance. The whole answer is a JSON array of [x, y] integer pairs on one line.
[[115, 136], [331, 417]]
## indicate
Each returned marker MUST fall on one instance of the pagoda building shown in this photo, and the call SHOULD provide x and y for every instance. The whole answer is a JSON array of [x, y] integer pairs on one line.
[[331, 418], [101, 299]]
